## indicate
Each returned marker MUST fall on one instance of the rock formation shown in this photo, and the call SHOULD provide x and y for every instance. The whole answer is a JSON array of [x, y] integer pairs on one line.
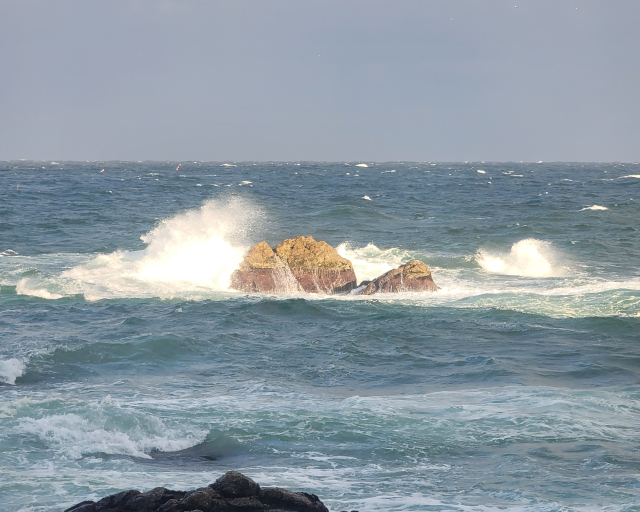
[[231, 492], [414, 276], [303, 265], [296, 265]]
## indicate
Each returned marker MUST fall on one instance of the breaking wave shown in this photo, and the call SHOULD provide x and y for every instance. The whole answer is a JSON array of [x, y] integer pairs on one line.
[[594, 207], [527, 258], [10, 370], [370, 262], [192, 252], [107, 428], [192, 255]]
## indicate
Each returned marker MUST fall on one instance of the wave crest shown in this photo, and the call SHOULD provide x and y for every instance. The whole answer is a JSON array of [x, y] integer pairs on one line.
[[10, 370], [527, 258], [108, 428], [370, 262], [197, 250]]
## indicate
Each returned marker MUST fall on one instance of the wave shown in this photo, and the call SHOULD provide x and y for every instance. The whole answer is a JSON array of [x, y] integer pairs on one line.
[[27, 286], [107, 428], [192, 252], [370, 262], [527, 258], [192, 255], [10, 370], [594, 207]]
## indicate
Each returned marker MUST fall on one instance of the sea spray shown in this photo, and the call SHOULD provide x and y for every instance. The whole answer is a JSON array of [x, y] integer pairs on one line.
[[193, 251], [10, 370], [370, 262], [527, 258]]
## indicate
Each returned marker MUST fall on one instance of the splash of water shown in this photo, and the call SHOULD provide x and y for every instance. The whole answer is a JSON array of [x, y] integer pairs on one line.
[[10, 370], [197, 250], [370, 262], [528, 258]]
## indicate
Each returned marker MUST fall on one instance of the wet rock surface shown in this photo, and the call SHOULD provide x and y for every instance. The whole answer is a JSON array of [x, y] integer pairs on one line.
[[302, 264], [233, 492], [414, 276], [299, 264]]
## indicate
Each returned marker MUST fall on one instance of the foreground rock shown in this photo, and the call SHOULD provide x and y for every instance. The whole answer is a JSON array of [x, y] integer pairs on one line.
[[296, 265], [232, 492], [414, 276]]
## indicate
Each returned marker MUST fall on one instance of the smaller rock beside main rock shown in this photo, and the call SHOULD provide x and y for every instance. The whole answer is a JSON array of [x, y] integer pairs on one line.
[[231, 492], [414, 276]]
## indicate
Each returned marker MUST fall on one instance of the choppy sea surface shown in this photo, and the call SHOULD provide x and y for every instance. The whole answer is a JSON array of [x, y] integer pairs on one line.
[[125, 362]]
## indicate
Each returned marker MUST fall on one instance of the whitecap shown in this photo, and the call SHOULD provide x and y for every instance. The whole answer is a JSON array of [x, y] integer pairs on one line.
[[631, 176], [362, 165], [528, 258], [26, 287], [10, 370], [110, 429], [190, 253], [228, 165], [370, 262]]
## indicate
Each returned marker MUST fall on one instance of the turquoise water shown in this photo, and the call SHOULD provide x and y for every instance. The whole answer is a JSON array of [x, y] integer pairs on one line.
[[125, 362]]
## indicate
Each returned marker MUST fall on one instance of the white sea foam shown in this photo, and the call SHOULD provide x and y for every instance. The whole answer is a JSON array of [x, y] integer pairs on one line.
[[193, 251], [108, 429], [370, 262], [10, 370], [594, 207], [631, 176], [362, 165], [27, 286], [528, 258]]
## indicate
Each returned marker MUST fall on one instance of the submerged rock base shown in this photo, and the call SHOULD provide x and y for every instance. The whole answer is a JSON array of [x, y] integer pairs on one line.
[[232, 492]]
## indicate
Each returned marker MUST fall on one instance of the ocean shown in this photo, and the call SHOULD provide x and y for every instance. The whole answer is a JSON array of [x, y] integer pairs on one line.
[[126, 362]]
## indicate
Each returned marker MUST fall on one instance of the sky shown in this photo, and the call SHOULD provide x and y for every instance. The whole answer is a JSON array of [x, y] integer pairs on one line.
[[330, 80]]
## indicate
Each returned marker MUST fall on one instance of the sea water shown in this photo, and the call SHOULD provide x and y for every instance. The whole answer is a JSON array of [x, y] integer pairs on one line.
[[126, 362]]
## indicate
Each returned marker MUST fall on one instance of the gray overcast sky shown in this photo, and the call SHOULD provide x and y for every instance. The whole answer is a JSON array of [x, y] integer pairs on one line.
[[448, 80]]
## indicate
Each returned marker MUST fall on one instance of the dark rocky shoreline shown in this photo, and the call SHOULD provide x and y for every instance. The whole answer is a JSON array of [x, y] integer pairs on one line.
[[233, 492]]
